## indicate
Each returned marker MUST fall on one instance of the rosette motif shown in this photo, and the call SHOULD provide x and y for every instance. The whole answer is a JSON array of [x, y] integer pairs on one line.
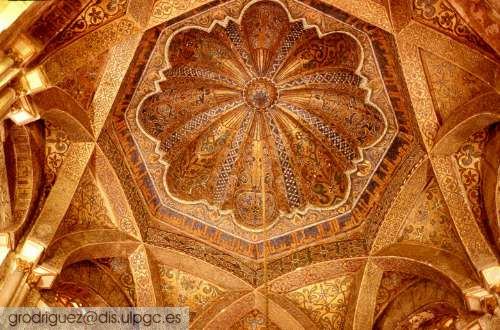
[[261, 118]]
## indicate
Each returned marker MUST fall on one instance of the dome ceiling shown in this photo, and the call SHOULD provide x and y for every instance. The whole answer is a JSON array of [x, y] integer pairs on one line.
[[264, 118], [265, 121], [258, 161]]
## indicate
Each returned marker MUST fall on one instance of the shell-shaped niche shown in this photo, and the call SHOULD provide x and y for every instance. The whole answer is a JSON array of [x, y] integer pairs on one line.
[[261, 118]]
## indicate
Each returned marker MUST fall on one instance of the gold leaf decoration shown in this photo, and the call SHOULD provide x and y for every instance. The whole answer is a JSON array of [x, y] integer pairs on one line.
[[325, 302], [182, 289]]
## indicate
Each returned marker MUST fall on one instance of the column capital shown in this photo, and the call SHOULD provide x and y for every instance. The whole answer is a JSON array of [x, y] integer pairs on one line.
[[23, 266], [480, 300], [491, 278], [21, 50]]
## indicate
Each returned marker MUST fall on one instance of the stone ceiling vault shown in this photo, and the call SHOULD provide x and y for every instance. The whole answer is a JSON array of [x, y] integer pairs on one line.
[[281, 163]]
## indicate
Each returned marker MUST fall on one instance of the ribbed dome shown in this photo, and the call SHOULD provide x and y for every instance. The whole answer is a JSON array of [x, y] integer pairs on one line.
[[261, 117]]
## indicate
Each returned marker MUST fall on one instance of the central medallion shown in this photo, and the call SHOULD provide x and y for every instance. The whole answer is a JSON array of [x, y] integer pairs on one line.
[[260, 93]]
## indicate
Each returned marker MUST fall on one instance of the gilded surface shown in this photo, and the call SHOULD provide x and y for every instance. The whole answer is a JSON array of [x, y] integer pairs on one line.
[[254, 320], [86, 79], [423, 297], [91, 244], [5, 204], [56, 147], [186, 201], [429, 222], [391, 225], [119, 60], [110, 187], [362, 315], [482, 16], [182, 289], [62, 192], [96, 14], [262, 161], [278, 118], [325, 302], [68, 59], [475, 244], [164, 10], [468, 159], [373, 11], [119, 269], [450, 85], [391, 284], [140, 265], [92, 283], [87, 210], [55, 19], [24, 175], [441, 15]]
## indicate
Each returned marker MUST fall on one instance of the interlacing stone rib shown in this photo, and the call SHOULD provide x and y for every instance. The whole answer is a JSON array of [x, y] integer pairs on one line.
[[295, 33], [190, 72], [337, 78], [233, 33]]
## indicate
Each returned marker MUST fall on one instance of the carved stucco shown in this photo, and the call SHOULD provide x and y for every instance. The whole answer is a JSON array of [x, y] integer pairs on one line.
[[432, 72]]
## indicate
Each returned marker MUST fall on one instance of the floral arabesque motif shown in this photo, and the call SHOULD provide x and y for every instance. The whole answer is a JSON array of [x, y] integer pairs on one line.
[[254, 320], [468, 158], [429, 222], [261, 118], [440, 14], [56, 148], [326, 302], [183, 289]]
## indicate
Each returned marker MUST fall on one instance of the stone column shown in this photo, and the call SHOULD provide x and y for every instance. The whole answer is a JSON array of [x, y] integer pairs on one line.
[[13, 281]]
